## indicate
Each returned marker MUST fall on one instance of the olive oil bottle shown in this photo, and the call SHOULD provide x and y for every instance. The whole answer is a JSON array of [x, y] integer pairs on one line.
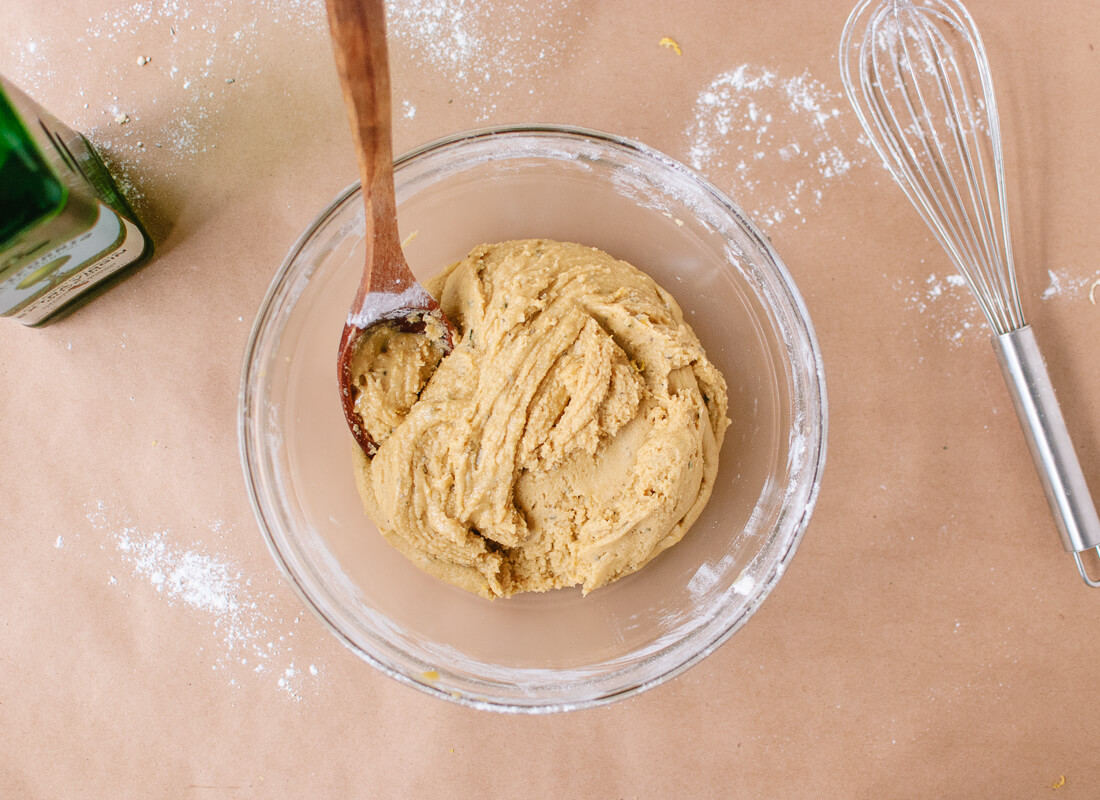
[[64, 227]]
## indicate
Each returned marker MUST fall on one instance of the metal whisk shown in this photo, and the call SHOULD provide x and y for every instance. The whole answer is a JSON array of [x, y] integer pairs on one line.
[[919, 80]]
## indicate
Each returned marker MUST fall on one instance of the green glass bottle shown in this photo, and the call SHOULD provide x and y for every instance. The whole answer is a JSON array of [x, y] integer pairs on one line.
[[64, 227]]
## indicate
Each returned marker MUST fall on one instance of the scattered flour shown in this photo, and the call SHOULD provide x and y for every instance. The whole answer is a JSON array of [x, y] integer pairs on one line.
[[1066, 284], [1055, 287], [744, 584], [484, 50], [953, 311], [253, 638], [171, 68], [704, 580], [771, 141]]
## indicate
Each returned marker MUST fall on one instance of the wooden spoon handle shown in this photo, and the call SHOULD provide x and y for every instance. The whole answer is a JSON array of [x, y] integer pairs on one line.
[[358, 29]]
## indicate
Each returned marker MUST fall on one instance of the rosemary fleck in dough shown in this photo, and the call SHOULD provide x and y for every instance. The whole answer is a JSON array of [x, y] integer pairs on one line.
[[570, 436]]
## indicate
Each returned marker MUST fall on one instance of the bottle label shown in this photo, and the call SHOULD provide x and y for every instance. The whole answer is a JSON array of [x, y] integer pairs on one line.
[[117, 242]]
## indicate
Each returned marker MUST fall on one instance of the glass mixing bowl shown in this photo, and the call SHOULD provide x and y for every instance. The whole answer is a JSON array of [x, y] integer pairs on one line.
[[557, 650]]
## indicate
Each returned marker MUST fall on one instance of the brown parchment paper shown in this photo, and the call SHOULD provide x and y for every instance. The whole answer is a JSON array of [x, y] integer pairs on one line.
[[930, 638]]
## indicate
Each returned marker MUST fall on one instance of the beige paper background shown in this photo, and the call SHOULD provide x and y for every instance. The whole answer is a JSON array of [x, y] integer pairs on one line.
[[930, 637]]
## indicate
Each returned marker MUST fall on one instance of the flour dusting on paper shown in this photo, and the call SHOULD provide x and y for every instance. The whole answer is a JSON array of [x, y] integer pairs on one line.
[[175, 70], [949, 309], [252, 638], [947, 305], [164, 71], [1063, 283], [198, 55], [771, 142], [482, 50]]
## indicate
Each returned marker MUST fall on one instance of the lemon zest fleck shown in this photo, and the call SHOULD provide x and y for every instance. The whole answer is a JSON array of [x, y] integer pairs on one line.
[[671, 44]]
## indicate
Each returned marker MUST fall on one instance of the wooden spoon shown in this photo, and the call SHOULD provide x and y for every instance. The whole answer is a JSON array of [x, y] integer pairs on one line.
[[388, 292]]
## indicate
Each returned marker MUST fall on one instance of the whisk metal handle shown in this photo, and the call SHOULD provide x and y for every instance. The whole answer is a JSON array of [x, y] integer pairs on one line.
[[1048, 439]]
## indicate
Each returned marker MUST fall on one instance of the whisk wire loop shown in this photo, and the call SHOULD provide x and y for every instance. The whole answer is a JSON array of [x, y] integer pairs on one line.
[[941, 200], [931, 115], [961, 124]]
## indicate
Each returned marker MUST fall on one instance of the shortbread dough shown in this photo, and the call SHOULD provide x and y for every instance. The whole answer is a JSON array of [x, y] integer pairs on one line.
[[389, 370], [570, 436]]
